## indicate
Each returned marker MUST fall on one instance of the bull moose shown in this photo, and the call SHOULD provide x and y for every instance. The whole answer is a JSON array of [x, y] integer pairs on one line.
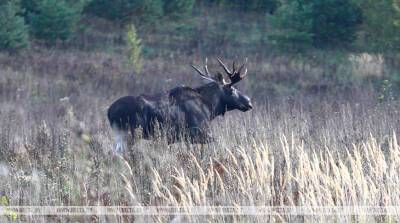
[[183, 112]]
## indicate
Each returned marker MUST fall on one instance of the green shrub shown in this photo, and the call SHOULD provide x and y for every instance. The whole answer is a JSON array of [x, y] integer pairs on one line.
[[55, 19], [328, 23], [13, 30]]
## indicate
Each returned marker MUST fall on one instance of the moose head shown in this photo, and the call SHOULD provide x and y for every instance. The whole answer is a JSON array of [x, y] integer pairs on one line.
[[230, 97]]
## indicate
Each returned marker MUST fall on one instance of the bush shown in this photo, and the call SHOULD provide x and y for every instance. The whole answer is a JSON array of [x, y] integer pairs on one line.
[[329, 23], [13, 30], [55, 19]]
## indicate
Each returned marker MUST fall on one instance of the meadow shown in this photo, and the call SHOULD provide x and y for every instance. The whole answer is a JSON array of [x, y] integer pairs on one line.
[[318, 143]]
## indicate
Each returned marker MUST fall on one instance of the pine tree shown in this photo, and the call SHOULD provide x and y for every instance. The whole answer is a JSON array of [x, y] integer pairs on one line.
[[381, 26], [148, 13], [29, 7], [145, 13], [114, 10], [55, 19], [328, 23], [178, 9], [13, 30]]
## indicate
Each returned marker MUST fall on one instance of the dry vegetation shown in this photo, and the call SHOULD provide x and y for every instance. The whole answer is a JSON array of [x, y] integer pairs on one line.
[[326, 146]]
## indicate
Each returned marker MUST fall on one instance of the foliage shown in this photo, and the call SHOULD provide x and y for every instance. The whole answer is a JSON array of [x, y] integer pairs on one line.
[[145, 12], [268, 6], [56, 19], [380, 29], [120, 10], [396, 6], [29, 6], [134, 49], [178, 9], [318, 23], [149, 13], [13, 30], [259, 6]]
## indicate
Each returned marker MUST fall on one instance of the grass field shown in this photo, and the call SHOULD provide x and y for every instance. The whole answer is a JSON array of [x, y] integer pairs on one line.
[[323, 146]]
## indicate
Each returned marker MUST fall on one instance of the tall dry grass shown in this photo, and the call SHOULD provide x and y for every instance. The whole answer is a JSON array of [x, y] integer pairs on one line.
[[307, 150]]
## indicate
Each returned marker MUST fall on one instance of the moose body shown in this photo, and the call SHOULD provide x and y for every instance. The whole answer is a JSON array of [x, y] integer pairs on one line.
[[182, 112]]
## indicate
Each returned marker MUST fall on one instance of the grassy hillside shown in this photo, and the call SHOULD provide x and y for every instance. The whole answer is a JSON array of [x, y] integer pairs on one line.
[[323, 130]]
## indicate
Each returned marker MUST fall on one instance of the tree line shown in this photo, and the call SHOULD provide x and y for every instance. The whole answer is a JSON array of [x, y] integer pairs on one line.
[[297, 24]]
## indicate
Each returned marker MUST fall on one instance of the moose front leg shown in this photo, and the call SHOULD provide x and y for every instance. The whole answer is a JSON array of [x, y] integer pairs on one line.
[[200, 136]]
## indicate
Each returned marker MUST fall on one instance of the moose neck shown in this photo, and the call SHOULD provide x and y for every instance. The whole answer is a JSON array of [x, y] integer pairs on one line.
[[212, 96]]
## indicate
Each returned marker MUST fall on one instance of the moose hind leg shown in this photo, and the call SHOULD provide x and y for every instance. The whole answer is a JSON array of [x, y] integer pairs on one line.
[[120, 140]]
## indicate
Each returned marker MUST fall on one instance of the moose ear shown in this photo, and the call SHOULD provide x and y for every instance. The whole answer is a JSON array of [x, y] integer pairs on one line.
[[220, 78]]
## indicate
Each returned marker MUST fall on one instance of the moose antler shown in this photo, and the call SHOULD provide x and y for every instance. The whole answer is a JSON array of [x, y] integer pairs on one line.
[[235, 76], [205, 75]]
